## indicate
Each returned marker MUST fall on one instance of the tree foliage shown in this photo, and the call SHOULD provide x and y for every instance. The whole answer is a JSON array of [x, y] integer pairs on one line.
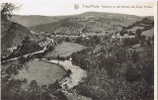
[[7, 10]]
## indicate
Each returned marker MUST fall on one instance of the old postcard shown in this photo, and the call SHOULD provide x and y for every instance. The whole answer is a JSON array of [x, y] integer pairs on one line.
[[78, 49]]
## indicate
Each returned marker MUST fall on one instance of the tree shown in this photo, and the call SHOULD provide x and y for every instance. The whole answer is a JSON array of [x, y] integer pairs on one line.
[[29, 46], [26, 40], [138, 33], [7, 10]]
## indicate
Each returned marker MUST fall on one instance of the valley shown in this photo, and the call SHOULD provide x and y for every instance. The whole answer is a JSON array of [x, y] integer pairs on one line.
[[90, 56]]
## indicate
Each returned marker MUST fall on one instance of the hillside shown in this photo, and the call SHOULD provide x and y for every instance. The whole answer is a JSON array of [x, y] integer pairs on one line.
[[33, 20], [89, 22], [143, 27], [146, 22], [12, 34]]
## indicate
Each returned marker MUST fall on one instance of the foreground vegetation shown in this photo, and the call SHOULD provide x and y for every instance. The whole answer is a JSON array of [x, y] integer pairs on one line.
[[117, 70]]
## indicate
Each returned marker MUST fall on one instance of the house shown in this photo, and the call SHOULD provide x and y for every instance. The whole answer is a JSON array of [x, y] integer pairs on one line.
[[125, 36], [11, 49], [46, 42]]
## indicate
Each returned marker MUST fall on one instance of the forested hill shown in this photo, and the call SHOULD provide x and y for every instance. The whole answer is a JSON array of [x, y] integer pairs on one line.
[[33, 20], [75, 24], [143, 27], [12, 34]]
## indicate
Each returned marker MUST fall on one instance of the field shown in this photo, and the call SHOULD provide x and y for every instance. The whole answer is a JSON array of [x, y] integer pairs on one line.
[[44, 73], [65, 49]]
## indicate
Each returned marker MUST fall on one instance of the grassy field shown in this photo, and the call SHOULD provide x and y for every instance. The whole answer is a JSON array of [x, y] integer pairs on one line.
[[65, 49], [44, 73]]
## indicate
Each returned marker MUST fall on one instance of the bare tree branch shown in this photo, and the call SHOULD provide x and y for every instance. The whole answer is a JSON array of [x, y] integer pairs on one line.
[[7, 10]]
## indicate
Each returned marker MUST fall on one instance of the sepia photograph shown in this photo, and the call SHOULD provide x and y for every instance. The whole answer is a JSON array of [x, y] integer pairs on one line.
[[78, 50]]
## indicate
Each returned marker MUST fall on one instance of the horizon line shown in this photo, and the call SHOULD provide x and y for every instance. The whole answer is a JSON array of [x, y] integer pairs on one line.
[[64, 15]]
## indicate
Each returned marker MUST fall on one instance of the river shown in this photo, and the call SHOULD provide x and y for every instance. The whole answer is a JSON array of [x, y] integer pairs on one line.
[[77, 74], [46, 72]]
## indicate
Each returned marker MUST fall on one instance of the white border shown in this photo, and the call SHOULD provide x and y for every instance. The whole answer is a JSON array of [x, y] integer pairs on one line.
[[155, 49]]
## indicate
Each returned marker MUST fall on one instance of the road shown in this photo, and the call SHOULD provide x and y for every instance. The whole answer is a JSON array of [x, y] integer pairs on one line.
[[25, 55]]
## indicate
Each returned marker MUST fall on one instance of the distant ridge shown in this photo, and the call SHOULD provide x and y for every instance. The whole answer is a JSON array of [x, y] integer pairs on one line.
[[88, 22], [33, 20]]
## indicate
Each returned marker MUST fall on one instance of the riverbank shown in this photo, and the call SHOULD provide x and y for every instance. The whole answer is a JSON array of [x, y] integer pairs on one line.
[[76, 77]]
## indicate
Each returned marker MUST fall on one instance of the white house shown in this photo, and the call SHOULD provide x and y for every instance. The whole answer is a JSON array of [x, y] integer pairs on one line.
[[11, 49]]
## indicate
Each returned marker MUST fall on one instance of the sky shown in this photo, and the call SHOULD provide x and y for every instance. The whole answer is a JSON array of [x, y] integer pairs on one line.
[[70, 7]]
